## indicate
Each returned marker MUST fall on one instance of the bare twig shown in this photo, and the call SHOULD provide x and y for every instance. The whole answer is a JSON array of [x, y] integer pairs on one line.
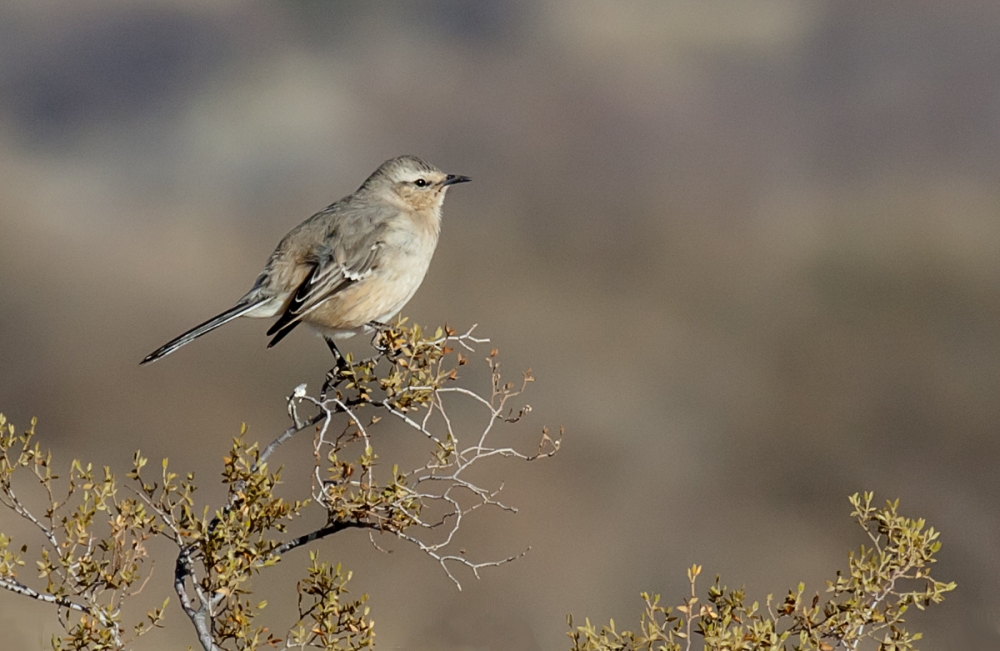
[[21, 589]]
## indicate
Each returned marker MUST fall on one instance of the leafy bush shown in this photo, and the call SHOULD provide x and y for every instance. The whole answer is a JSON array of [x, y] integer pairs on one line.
[[867, 603]]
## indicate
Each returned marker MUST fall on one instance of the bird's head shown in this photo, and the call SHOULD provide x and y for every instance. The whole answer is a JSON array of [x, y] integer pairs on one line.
[[412, 182]]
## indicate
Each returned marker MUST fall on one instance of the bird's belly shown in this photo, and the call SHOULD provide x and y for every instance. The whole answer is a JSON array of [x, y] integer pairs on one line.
[[377, 298]]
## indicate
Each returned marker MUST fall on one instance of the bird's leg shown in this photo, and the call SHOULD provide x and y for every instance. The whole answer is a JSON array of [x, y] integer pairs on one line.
[[332, 345], [333, 375]]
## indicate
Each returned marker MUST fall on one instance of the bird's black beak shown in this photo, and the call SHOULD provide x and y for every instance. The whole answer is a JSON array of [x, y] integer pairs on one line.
[[452, 179]]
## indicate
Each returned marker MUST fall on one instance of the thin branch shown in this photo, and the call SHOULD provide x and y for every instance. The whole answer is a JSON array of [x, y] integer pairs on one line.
[[285, 436], [22, 511], [18, 587], [319, 534]]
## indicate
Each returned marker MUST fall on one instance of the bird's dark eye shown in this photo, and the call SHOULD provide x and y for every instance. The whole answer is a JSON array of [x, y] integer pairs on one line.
[[420, 183]]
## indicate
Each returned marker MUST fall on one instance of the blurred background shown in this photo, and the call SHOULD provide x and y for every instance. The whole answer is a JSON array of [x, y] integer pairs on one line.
[[750, 251]]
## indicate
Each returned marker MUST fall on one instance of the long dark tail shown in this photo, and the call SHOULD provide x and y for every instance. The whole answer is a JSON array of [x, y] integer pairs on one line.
[[197, 331]]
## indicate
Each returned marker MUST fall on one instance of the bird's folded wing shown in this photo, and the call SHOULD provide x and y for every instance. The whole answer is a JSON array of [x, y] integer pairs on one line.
[[326, 278]]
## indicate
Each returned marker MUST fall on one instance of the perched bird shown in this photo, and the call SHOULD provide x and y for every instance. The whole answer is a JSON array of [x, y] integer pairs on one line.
[[348, 268]]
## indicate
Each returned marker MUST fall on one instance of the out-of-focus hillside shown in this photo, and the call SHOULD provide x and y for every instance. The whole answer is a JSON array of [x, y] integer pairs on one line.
[[750, 252]]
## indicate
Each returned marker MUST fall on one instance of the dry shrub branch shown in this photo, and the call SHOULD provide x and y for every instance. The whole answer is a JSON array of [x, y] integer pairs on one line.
[[93, 530]]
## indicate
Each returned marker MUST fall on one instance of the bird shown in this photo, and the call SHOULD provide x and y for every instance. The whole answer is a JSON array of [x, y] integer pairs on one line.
[[350, 267]]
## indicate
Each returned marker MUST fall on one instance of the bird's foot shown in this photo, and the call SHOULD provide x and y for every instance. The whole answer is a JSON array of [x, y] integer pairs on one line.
[[334, 377], [379, 328]]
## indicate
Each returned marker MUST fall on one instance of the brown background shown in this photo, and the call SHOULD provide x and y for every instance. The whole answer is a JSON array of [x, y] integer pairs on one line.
[[750, 251]]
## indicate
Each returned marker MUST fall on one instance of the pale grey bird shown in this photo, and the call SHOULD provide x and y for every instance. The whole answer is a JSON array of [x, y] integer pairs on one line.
[[350, 267]]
